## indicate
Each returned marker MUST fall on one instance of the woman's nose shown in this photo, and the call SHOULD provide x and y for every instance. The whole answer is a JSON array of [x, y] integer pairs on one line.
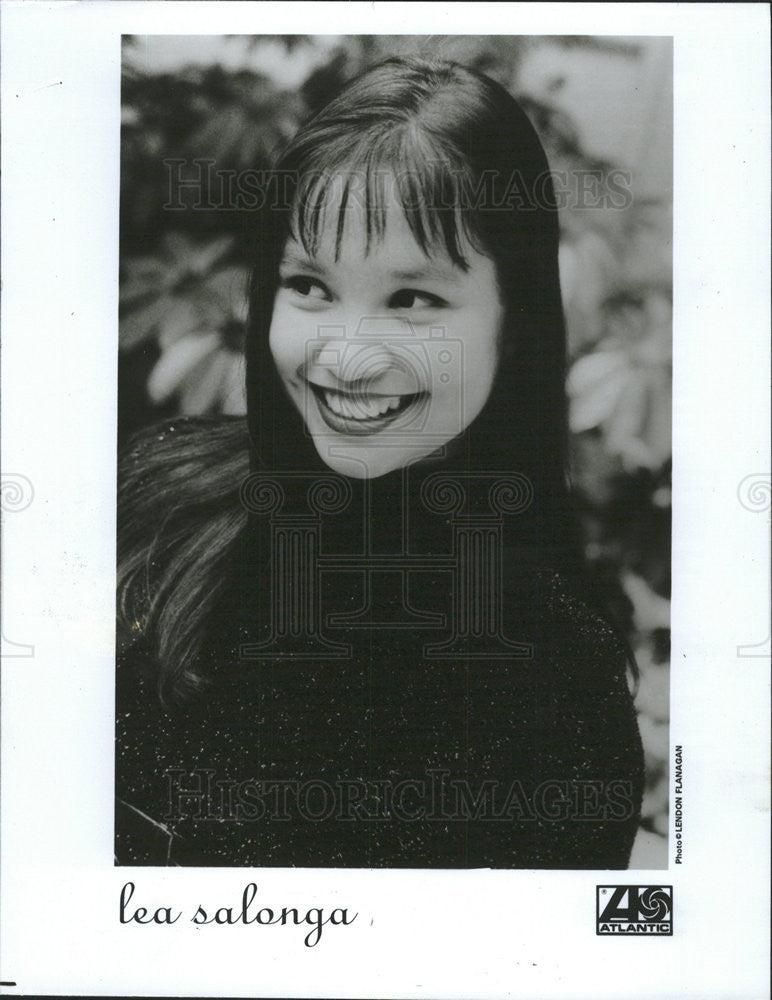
[[356, 364], [376, 352]]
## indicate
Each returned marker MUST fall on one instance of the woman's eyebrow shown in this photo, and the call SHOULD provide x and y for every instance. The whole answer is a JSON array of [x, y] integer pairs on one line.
[[291, 259], [425, 271], [420, 272]]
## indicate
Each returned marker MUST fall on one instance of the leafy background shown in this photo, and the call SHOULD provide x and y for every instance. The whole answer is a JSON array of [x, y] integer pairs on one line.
[[599, 104]]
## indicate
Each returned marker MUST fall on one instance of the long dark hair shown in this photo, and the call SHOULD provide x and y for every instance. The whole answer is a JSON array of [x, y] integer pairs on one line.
[[468, 166]]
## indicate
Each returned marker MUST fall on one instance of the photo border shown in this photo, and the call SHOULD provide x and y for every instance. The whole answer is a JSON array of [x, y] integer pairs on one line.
[[59, 917]]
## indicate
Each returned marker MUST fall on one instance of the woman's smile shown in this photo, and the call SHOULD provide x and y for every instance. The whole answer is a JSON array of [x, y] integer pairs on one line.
[[361, 412]]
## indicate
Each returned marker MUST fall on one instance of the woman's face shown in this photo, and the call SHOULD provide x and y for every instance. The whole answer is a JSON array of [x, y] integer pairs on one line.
[[388, 354]]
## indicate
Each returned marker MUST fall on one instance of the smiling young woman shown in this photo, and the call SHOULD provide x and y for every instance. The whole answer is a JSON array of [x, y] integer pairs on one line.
[[377, 582]]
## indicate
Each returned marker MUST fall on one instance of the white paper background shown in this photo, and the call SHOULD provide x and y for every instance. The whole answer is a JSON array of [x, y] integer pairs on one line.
[[432, 934]]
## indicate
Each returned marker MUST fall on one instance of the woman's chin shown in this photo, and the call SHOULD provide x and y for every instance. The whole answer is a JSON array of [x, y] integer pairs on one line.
[[360, 460]]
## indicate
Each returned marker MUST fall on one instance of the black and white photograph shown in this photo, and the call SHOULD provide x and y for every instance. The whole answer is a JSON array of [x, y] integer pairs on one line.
[[359, 624], [383, 573]]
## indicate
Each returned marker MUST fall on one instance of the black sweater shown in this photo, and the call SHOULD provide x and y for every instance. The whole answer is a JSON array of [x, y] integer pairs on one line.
[[384, 756]]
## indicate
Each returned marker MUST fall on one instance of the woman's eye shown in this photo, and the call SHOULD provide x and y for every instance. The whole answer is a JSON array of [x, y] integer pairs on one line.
[[411, 298], [308, 288]]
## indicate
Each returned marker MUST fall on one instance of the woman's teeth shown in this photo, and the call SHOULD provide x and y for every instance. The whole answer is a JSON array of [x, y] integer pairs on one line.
[[361, 407]]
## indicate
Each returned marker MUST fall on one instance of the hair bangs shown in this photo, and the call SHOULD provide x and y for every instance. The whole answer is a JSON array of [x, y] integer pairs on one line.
[[395, 169]]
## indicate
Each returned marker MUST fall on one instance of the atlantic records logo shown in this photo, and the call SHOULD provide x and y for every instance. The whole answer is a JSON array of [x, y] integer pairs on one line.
[[634, 909]]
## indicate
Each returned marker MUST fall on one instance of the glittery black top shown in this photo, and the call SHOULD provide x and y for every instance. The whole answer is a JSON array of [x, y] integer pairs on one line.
[[376, 754]]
